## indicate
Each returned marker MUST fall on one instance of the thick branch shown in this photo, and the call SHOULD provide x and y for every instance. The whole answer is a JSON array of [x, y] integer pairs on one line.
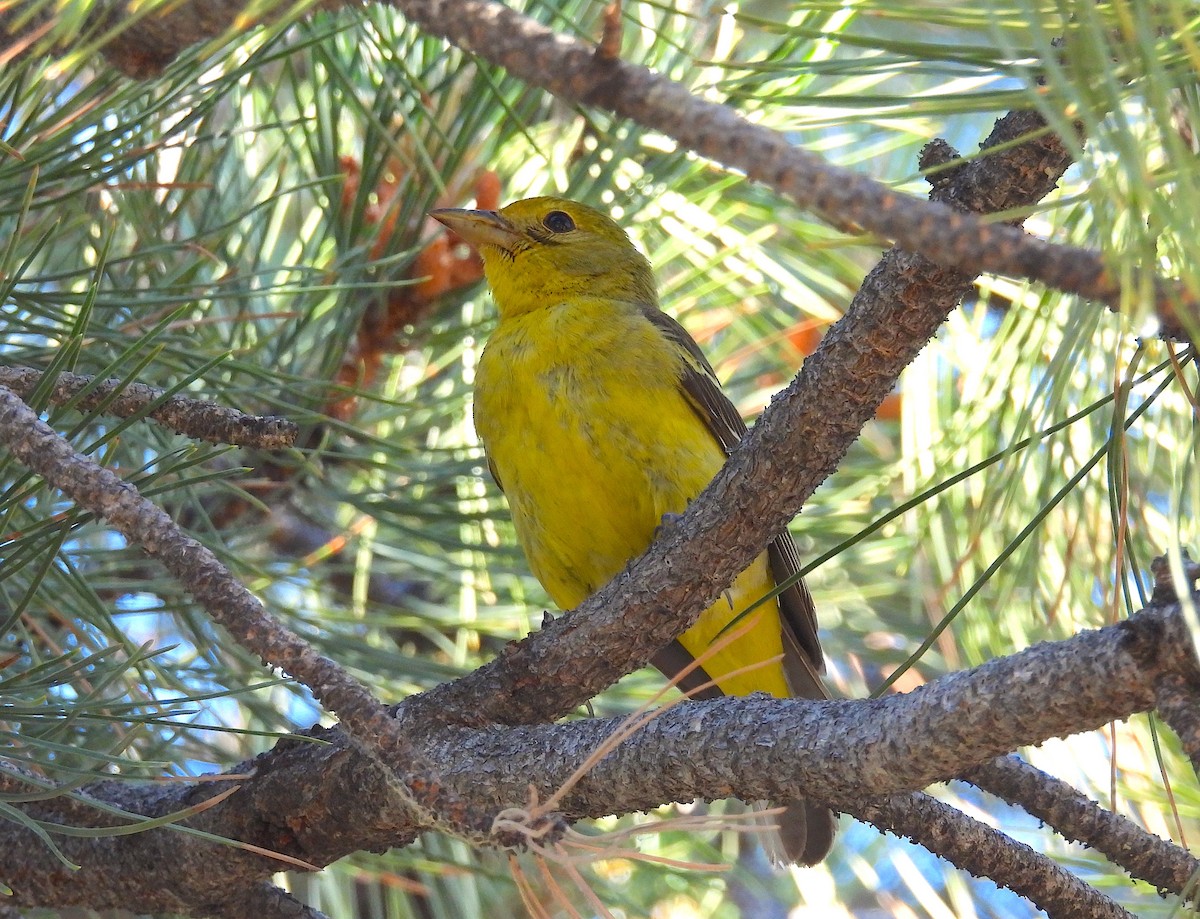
[[763, 748], [289, 803], [321, 801], [798, 441]]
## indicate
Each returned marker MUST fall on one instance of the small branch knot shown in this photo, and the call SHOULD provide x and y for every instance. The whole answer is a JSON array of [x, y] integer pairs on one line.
[[934, 159], [1165, 592]]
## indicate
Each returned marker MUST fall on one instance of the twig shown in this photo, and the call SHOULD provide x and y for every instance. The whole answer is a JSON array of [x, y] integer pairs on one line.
[[609, 46]]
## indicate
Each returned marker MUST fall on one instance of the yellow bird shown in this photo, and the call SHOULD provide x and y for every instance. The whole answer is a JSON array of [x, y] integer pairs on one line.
[[600, 416]]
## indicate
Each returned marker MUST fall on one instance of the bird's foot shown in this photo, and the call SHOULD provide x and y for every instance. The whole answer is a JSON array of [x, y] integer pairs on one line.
[[668, 522]]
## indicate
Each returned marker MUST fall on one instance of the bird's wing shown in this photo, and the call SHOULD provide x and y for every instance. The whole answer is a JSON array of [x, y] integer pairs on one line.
[[803, 658], [495, 475]]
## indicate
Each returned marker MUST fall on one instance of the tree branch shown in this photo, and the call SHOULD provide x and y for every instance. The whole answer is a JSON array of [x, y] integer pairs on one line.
[[168, 871], [986, 852], [571, 70], [320, 801], [762, 748], [1178, 701], [105, 494], [193, 418], [1074, 816], [812, 424], [851, 374], [231, 605]]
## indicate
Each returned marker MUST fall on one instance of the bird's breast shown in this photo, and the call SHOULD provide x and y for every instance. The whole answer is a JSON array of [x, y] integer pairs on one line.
[[582, 417]]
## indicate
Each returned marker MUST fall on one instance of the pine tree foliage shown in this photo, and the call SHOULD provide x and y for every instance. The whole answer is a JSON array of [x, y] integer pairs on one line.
[[249, 228]]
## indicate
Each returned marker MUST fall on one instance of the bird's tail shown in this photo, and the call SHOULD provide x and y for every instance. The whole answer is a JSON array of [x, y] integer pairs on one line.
[[802, 834]]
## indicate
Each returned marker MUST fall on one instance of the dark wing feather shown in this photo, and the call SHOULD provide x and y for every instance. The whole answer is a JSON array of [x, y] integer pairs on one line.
[[803, 660], [495, 475], [700, 384], [672, 659]]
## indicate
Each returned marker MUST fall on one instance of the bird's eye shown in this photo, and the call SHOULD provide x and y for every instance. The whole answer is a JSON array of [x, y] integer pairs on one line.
[[558, 222]]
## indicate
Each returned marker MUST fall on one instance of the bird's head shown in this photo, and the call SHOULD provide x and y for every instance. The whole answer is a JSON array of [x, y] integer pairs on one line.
[[541, 252]]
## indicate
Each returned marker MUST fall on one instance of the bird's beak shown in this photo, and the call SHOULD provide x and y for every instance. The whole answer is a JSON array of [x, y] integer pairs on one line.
[[479, 228]]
